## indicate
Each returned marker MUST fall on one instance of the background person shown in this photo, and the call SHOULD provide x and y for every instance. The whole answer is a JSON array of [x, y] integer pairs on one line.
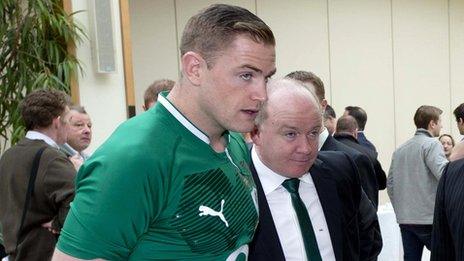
[[45, 114], [151, 93], [79, 136], [447, 142], [330, 119], [415, 170]]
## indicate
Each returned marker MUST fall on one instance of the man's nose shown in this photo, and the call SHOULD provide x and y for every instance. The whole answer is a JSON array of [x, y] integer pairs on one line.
[[304, 145], [260, 93]]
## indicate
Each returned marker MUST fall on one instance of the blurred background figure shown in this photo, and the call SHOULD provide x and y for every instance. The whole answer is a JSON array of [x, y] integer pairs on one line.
[[448, 144], [37, 180], [361, 118], [80, 132], [79, 136], [330, 119], [151, 93], [459, 114]]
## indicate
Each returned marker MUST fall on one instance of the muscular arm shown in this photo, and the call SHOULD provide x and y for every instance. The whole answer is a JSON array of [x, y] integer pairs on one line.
[[60, 256]]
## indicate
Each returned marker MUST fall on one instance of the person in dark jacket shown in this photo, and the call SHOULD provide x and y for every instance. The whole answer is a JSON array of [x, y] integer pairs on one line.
[[30, 227], [448, 219], [347, 133], [360, 115]]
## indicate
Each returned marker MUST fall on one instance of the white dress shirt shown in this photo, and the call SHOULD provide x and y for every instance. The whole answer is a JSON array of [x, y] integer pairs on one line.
[[323, 137], [35, 135], [285, 218]]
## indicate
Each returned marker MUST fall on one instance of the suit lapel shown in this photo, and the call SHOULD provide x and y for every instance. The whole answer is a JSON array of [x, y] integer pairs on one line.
[[327, 191], [266, 239]]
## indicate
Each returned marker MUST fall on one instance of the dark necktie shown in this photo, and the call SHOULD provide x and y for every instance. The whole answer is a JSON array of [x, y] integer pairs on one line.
[[309, 238]]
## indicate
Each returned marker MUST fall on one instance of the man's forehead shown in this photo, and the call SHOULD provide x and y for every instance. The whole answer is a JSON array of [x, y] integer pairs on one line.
[[78, 115]]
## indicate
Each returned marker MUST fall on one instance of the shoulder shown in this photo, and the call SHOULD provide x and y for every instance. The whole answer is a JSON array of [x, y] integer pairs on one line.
[[339, 167], [357, 156], [142, 136], [455, 170], [329, 156], [337, 163]]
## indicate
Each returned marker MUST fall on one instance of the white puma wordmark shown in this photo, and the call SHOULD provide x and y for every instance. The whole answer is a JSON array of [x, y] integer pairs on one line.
[[207, 211]]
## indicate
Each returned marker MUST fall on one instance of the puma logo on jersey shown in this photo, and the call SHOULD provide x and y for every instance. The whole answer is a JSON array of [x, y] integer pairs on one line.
[[207, 211]]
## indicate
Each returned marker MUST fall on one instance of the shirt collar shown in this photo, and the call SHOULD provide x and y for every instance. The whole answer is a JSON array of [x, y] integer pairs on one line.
[[181, 118], [35, 135], [323, 137], [269, 179], [422, 131]]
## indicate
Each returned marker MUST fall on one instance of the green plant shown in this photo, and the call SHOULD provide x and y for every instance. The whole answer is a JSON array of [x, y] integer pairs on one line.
[[34, 37]]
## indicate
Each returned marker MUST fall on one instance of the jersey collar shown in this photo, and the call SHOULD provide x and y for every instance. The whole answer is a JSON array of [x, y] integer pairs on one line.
[[181, 118]]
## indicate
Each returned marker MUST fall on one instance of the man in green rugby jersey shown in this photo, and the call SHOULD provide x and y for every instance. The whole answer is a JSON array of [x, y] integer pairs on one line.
[[173, 183]]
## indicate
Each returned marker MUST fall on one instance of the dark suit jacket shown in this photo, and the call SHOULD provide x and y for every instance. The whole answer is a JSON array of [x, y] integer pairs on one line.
[[370, 235], [338, 187], [352, 142], [365, 142], [448, 221], [365, 167]]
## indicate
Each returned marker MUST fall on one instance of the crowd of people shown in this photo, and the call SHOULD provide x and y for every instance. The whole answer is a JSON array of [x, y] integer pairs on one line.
[[179, 181]]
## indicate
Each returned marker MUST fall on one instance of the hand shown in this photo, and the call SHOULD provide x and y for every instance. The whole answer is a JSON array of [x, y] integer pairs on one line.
[[77, 161], [48, 226]]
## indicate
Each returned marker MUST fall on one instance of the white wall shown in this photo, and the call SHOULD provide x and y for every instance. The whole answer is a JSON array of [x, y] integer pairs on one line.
[[102, 95], [387, 56]]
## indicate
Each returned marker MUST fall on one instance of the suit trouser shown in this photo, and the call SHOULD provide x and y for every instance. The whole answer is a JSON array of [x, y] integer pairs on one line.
[[415, 237]]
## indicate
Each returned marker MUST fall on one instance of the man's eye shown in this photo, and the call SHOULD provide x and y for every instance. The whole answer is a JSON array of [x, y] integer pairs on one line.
[[290, 134], [314, 134], [246, 76]]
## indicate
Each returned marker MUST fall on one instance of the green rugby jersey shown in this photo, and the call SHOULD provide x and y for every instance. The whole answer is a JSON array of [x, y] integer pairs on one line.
[[156, 190]]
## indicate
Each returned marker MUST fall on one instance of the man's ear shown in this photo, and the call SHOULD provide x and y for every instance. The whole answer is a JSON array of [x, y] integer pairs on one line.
[[192, 64], [323, 105], [56, 122], [431, 125], [254, 134]]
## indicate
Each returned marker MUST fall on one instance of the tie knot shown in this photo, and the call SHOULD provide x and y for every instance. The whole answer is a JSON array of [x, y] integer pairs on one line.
[[291, 185]]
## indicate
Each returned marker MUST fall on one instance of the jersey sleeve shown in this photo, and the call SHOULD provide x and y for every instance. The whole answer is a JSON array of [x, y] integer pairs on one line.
[[118, 194]]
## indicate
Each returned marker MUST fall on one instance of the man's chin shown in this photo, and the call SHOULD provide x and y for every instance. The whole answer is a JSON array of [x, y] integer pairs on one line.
[[243, 128]]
